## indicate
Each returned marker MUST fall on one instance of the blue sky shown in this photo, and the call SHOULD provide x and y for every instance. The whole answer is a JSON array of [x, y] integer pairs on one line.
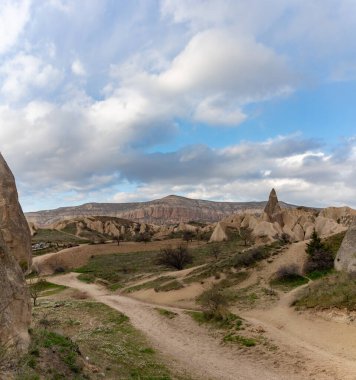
[[118, 101]]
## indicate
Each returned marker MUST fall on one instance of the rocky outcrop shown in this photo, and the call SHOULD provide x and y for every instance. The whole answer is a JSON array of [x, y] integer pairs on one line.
[[219, 233], [15, 248], [15, 307], [13, 224], [273, 210], [346, 257], [298, 223], [169, 210]]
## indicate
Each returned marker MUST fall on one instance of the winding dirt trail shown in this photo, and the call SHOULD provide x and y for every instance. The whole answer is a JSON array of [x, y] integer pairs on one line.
[[309, 347], [181, 340], [330, 344]]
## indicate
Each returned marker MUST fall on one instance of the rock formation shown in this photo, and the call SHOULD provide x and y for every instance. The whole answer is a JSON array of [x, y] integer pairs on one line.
[[13, 224], [15, 248], [219, 233], [15, 306], [273, 210], [297, 223], [169, 210], [346, 257]]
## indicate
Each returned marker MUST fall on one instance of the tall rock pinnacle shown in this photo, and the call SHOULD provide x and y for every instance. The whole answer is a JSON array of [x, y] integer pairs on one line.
[[273, 210], [13, 224]]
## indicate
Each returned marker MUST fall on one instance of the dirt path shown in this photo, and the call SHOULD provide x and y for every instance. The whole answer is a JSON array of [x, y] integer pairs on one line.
[[184, 343], [329, 344]]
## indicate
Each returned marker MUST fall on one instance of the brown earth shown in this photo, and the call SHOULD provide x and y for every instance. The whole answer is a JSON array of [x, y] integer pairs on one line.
[[75, 257], [308, 346]]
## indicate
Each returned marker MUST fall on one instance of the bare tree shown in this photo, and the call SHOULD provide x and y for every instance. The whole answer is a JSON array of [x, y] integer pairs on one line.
[[35, 288], [246, 235], [176, 258]]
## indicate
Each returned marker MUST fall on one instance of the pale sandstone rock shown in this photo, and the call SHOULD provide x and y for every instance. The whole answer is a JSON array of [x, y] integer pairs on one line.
[[346, 257], [15, 308], [15, 248], [13, 224], [298, 232], [219, 233]]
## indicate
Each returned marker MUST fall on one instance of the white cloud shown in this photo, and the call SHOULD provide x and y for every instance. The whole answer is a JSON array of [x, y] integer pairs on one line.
[[14, 15], [218, 60], [25, 73], [78, 68], [211, 111]]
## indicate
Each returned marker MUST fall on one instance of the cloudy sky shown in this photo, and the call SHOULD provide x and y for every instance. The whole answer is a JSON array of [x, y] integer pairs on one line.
[[118, 101]]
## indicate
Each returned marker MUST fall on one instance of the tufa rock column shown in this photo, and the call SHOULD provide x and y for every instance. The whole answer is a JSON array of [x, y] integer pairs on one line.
[[273, 210]]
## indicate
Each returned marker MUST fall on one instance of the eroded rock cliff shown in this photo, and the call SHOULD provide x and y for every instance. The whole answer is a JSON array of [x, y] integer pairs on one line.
[[15, 249], [13, 224]]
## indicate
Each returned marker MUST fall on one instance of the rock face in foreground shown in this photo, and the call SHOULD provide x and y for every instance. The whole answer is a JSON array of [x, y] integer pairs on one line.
[[13, 224], [346, 257], [15, 307], [15, 248]]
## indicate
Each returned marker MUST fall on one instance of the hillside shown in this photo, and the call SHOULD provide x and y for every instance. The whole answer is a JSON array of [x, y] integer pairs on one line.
[[170, 209]]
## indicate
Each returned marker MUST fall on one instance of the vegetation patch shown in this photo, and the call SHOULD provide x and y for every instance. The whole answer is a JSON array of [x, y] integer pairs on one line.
[[320, 256], [153, 284], [103, 345], [166, 313], [47, 346], [288, 277], [243, 341], [332, 291]]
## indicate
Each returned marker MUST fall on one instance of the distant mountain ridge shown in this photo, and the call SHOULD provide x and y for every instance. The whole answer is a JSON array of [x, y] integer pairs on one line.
[[167, 210]]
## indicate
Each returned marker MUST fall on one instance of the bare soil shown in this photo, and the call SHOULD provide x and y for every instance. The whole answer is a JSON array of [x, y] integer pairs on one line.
[[307, 345], [78, 256]]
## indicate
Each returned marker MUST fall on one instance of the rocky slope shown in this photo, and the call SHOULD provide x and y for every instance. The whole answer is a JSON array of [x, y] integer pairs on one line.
[[171, 209], [296, 224], [15, 309], [97, 228]]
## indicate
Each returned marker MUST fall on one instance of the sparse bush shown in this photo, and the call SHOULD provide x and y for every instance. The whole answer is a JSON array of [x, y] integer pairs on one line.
[[215, 251], [188, 236], [214, 303], [284, 238], [250, 257], [288, 276], [144, 237], [176, 258], [286, 272]]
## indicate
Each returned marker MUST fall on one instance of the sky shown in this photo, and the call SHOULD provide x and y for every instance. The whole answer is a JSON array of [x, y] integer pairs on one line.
[[121, 101]]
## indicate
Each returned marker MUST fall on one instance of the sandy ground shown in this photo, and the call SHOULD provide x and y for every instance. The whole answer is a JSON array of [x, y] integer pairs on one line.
[[331, 345], [78, 256], [309, 347], [182, 341]]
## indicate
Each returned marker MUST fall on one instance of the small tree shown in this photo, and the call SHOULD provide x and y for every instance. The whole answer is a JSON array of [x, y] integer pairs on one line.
[[315, 244], [188, 236], [176, 258], [246, 235], [35, 288], [320, 258], [215, 251], [143, 237]]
